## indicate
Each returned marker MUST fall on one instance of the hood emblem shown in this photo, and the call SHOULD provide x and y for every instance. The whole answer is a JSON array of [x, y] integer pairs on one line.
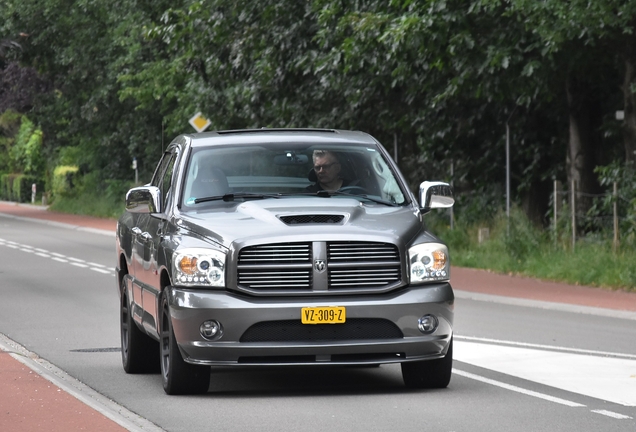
[[320, 265]]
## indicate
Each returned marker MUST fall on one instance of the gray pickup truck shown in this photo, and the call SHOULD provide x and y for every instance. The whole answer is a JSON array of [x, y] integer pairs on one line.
[[282, 247]]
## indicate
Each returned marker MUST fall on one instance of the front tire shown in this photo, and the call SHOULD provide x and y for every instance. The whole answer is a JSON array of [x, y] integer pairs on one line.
[[178, 377], [138, 350], [429, 374]]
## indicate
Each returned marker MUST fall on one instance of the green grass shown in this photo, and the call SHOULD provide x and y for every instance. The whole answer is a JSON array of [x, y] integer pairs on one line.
[[518, 247], [94, 199]]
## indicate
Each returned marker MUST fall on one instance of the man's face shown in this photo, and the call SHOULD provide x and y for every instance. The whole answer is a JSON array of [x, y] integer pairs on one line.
[[326, 168]]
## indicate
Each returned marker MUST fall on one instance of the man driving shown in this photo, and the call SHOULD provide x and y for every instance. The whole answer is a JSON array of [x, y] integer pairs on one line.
[[327, 169]]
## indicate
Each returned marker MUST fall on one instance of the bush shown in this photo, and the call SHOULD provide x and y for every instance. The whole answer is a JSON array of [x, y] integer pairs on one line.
[[64, 180], [22, 187], [94, 196]]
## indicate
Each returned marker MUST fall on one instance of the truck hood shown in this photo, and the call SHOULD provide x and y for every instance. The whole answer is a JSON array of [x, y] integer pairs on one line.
[[303, 219]]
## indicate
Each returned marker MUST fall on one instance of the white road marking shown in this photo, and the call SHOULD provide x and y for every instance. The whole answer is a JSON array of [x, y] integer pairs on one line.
[[609, 379], [76, 260], [612, 414], [517, 389], [549, 347], [101, 270], [57, 257]]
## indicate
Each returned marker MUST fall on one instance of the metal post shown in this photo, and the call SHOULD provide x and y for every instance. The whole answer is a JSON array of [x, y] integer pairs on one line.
[[615, 216], [556, 209], [507, 170], [452, 214], [573, 205], [395, 148]]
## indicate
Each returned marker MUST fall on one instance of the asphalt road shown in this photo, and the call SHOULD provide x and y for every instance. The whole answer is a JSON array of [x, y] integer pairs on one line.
[[519, 365]]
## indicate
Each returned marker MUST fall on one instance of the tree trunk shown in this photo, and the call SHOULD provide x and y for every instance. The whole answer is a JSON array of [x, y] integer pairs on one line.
[[583, 140]]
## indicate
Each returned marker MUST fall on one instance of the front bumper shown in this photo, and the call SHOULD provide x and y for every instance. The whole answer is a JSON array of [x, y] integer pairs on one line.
[[189, 308]]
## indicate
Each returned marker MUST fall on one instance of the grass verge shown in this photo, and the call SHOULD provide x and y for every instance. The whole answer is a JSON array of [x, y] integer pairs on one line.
[[515, 246]]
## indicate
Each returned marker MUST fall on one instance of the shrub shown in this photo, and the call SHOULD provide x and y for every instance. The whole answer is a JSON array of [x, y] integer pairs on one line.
[[64, 179]]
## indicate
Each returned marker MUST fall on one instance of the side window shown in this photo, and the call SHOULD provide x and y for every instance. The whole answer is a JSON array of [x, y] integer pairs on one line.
[[163, 177]]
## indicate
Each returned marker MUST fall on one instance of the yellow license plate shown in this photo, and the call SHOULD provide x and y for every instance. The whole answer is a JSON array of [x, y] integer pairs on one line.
[[323, 315]]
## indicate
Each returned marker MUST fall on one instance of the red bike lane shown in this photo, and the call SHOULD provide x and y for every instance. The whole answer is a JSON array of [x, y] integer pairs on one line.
[[30, 402]]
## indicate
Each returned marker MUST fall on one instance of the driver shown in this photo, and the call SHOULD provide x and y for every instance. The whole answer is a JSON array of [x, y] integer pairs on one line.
[[327, 169]]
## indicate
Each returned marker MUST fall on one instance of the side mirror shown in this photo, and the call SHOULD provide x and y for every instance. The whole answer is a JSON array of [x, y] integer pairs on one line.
[[143, 199], [435, 195]]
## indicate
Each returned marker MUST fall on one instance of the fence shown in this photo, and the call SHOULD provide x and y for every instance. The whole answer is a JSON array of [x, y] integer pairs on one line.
[[598, 218]]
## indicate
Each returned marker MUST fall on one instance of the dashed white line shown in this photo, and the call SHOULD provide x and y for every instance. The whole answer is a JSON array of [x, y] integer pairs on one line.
[[100, 268], [76, 259]]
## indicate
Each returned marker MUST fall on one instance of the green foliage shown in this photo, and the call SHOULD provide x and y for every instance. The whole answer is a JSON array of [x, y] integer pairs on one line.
[[64, 180], [6, 186], [27, 149], [22, 142], [624, 175], [86, 201], [18, 187]]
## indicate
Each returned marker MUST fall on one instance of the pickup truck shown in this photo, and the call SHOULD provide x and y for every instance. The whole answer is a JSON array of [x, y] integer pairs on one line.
[[282, 247]]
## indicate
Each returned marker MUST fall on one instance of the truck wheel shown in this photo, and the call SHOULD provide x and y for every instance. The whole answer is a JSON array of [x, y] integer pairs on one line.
[[429, 374], [178, 377], [138, 350]]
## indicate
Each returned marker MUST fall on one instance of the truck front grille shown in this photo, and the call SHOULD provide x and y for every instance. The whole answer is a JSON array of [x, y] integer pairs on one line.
[[318, 268]]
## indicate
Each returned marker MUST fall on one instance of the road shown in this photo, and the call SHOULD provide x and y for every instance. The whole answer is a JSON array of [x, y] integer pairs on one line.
[[520, 365]]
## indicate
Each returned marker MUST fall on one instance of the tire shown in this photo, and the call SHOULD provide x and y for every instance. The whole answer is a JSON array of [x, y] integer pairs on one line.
[[138, 350], [429, 374], [178, 377]]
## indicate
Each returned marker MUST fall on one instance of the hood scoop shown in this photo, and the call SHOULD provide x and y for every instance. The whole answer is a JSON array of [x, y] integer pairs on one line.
[[316, 219]]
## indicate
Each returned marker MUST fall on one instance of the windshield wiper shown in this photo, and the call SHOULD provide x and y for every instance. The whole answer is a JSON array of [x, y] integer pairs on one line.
[[232, 196], [323, 193]]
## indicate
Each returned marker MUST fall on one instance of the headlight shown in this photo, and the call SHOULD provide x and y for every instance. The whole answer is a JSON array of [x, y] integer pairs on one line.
[[199, 266], [429, 262]]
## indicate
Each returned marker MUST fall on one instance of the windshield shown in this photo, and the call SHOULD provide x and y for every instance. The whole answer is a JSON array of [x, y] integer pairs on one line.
[[261, 171]]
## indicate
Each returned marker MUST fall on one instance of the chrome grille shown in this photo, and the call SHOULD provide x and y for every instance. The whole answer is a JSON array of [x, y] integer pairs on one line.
[[362, 264], [270, 279], [363, 277], [288, 268], [362, 252], [282, 253]]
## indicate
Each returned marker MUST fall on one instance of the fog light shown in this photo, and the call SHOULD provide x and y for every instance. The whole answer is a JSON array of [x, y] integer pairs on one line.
[[210, 329], [428, 324]]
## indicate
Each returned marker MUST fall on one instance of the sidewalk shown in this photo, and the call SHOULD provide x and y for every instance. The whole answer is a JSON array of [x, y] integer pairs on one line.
[[25, 393]]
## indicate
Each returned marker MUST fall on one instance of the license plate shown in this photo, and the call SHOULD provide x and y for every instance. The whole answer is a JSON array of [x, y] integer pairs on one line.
[[323, 315]]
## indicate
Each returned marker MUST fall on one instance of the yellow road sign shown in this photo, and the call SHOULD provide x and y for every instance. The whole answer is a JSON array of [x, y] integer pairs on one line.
[[199, 122]]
